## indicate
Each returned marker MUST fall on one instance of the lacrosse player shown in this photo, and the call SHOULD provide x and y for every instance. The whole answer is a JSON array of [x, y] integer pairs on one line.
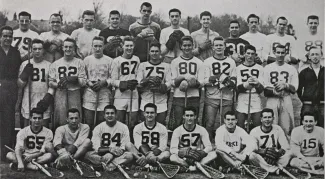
[[219, 80], [97, 94], [281, 80], [145, 32], [154, 77], [186, 73], [170, 37], [273, 146], [113, 35], [84, 36], [111, 141], [33, 142], [190, 142], [71, 140]]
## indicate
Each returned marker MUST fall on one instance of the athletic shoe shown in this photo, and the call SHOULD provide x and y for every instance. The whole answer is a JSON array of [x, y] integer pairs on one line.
[[13, 166]]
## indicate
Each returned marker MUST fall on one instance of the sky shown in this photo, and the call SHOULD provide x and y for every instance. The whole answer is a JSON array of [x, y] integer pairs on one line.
[[296, 11]]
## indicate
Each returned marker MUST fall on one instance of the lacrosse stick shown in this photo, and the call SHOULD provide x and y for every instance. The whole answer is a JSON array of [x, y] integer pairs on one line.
[[256, 172], [48, 171], [199, 166], [153, 97], [202, 98], [221, 96], [169, 170], [169, 105], [84, 169], [286, 171], [96, 106], [29, 84], [130, 112], [248, 122], [315, 172], [213, 172], [122, 170], [185, 100]]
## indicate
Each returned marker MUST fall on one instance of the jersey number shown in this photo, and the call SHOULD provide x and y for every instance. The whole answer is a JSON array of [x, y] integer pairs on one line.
[[185, 68], [38, 74], [186, 141], [31, 142], [266, 137], [311, 143], [159, 71], [239, 48], [287, 47], [71, 71], [25, 41], [245, 74], [275, 76], [309, 44], [106, 139], [125, 67], [154, 138], [216, 68]]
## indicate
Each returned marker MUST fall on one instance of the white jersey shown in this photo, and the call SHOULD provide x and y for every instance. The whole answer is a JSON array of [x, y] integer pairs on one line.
[[84, 39], [106, 136], [155, 137], [161, 70], [62, 68], [273, 40], [307, 40], [258, 40], [198, 138], [39, 86], [199, 37], [213, 66], [49, 36], [124, 70], [307, 144], [33, 142], [242, 73], [275, 138], [164, 36], [188, 68], [64, 135], [21, 40]]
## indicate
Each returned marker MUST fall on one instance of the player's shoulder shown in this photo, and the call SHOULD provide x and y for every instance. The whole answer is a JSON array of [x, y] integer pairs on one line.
[[84, 126], [200, 128], [77, 31], [121, 126], [197, 60], [221, 129], [240, 130], [214, 33], [105, 57], [195, 33], [166, 30], [139, 126], [319, 129], [255, 130], [136, 58], [154, 24], [277, 128], [161, 126]]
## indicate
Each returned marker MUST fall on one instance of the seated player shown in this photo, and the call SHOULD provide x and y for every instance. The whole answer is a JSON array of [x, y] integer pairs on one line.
[[150, 138], [111, 141], [71, 140], [273, 147], [305, 143], [190, 142], [33, 142], [233, 143]]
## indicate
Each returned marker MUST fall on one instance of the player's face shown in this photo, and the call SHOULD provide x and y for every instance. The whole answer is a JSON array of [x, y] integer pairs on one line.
[[110, 115], [313, 24], [37, 50], [55, 22], [146, 12], [219, 47], [234, 29], [250, 55], [6, 38], [281, 26], [88, 21], [230, 121], [280, 54], [73, 120], [98, 47], [36, 120], [187, 47], [309, 123], [114, 20], [174, 18], [128, 47], [150, 114], [315, 55], [253, 23], [154, 53], [267, 119], [24, 23], [68, 48], [205, 21], [189, 117]]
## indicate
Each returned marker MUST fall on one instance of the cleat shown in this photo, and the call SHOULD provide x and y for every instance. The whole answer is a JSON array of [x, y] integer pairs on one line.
[[13, 166]]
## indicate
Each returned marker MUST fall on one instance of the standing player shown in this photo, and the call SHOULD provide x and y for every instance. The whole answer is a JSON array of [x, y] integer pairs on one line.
[[154, 77], [311, 86], [97, 94], [170, 37], [250, 85], [113, 35], [203, 37], [124, 74], [190, 142], [67, 75], [111, 141], [280, 81], [305, 143], [145, 32], [235, 45], [219, 81], [150, 138], [23, 35], [84, 36], [71, 140], [186, 72], [33, 142], [233, 144], [255, 38], [273, 146]]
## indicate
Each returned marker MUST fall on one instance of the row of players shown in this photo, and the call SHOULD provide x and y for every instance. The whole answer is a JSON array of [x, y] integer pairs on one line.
[[266, 146]]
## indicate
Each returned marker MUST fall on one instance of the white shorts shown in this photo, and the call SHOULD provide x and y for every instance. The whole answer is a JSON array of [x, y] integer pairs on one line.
[[124, 104], [91, 106], [160, 107]]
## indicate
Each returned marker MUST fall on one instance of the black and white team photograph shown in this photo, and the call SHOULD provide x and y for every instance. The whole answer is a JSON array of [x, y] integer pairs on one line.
[[148, 89]]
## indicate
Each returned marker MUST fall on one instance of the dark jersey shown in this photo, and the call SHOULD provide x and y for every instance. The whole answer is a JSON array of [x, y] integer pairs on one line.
[[106, 33], [237, 45]]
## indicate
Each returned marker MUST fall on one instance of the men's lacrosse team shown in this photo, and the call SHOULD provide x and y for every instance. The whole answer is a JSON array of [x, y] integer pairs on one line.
[[121, 96]]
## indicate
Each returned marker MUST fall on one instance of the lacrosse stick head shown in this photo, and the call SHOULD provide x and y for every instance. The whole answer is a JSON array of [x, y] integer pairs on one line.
[[85, 169], [169, 170], [213, 172], [256, 172]]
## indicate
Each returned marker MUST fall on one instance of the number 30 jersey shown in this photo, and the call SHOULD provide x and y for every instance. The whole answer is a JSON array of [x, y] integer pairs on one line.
[[33, 142], [198, 138]]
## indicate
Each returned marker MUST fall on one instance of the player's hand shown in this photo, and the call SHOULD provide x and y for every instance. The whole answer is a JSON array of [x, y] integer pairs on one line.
[[287, 59], [98, 85], [156, 151], [151, 158], [247, 85], [281, 152], [213, 79], [227, 81], [308, 162], [123, 86], [193, 82], [146, 32], [25, 57], [44, 103], [154, 81], [183, 86], [163, 88], [132, 84], [29, 158], [72, 149], [27, 72], [206, 44], [178, 80], [279, 86], [144, 82], [202, 154], [142, 161], [116, 151]]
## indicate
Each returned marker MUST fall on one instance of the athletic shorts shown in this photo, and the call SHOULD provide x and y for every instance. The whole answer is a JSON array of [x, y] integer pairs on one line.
[[216, 102], [160, 107], [124, 104], [91, 106], [191, 101]]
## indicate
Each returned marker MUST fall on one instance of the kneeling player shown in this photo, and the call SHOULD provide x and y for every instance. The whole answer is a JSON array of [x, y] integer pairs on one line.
[[110, 140], [273, 147], [150, 138], [33, 143], [305, 143], [190, 142], [71, 139]]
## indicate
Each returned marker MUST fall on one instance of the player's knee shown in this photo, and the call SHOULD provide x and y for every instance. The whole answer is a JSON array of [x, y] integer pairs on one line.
[[295, 162], [128, 156], [129, 147], [11, 156], [47, 157], [49, 147], [174, 158], [86, 143], [164, 155], [211, 155]]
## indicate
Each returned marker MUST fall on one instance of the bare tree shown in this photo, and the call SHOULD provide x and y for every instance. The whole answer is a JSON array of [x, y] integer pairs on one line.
[[99, 15], [3, 17]]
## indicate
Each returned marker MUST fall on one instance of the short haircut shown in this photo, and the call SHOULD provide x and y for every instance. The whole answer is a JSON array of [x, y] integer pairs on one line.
[[189, 108], [128, 38], [308, 113], [57, 15], [110, 107], [279, 46], [38, 41], [174, 10], [89, 13], [281, 18], [314, 47], [114, 12], [6, 28], [312, 17], [267, 110], [147, 4], [234, 22], [253, 16], [205, 13], [99, 38], [72, 41], [36, 111], [232, 113], [250, 47], [155, 45], [185, 38], [73, 110], [219, 38], [24, 13], [150, 105]]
